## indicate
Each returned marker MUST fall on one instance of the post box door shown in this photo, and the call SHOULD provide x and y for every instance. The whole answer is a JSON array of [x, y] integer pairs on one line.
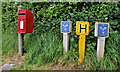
[[22, 26]]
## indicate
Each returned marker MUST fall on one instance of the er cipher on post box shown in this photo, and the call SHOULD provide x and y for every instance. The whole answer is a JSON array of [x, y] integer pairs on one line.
[[25, 21]]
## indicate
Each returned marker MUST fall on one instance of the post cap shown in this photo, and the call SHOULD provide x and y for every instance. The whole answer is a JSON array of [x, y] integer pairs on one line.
[[20, 7]]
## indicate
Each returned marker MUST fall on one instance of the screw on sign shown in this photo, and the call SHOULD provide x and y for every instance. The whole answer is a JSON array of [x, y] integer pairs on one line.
[[82, 29], [66, 28], [25, 25], [102, 32]]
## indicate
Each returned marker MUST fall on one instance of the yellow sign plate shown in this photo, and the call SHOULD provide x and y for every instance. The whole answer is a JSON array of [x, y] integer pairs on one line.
[[82, 28]]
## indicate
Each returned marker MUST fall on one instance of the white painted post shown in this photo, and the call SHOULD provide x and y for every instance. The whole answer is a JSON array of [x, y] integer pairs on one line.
[[102, 32], [100, 48], [65, 41], [20, 39], [66, 28]]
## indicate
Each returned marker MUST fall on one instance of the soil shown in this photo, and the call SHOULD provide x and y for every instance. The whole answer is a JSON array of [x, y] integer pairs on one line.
[[58, 65], [6, 59]]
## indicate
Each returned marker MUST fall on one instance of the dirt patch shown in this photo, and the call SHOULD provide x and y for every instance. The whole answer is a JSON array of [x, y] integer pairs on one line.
[[60, 65], [6, 59], [57, 65]]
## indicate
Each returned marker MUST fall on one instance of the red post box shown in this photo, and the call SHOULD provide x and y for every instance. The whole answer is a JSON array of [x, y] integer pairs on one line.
[[25, 21]]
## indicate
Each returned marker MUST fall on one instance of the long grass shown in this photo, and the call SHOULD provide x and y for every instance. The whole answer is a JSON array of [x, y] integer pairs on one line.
[[9, 42], [111, 55], [43, 48], [47, 47]]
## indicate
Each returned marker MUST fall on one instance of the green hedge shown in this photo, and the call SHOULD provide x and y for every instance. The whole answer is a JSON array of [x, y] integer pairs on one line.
[[48, 15]]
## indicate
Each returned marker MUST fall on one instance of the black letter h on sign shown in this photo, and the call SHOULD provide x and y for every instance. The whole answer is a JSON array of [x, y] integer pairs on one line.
[[83, 28]]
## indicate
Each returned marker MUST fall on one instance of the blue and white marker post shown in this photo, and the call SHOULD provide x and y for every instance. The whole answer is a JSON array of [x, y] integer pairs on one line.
[[66, 28], [102, 32]]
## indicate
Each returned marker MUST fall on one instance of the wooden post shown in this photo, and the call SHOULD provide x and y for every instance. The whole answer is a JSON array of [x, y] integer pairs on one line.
[[65, 41], [20, 39], [100, 48]]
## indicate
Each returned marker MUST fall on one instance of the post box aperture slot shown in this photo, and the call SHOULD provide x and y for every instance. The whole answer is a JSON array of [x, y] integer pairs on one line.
[[21, 14]]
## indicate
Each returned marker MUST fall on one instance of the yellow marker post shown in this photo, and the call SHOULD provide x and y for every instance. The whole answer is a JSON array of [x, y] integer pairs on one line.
[[82, 29]]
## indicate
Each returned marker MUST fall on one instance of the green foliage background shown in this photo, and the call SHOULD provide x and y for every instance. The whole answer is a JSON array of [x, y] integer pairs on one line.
[[47, 18]]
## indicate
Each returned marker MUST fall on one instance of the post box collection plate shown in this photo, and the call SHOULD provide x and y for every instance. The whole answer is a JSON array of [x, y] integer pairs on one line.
[[21, 24]]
